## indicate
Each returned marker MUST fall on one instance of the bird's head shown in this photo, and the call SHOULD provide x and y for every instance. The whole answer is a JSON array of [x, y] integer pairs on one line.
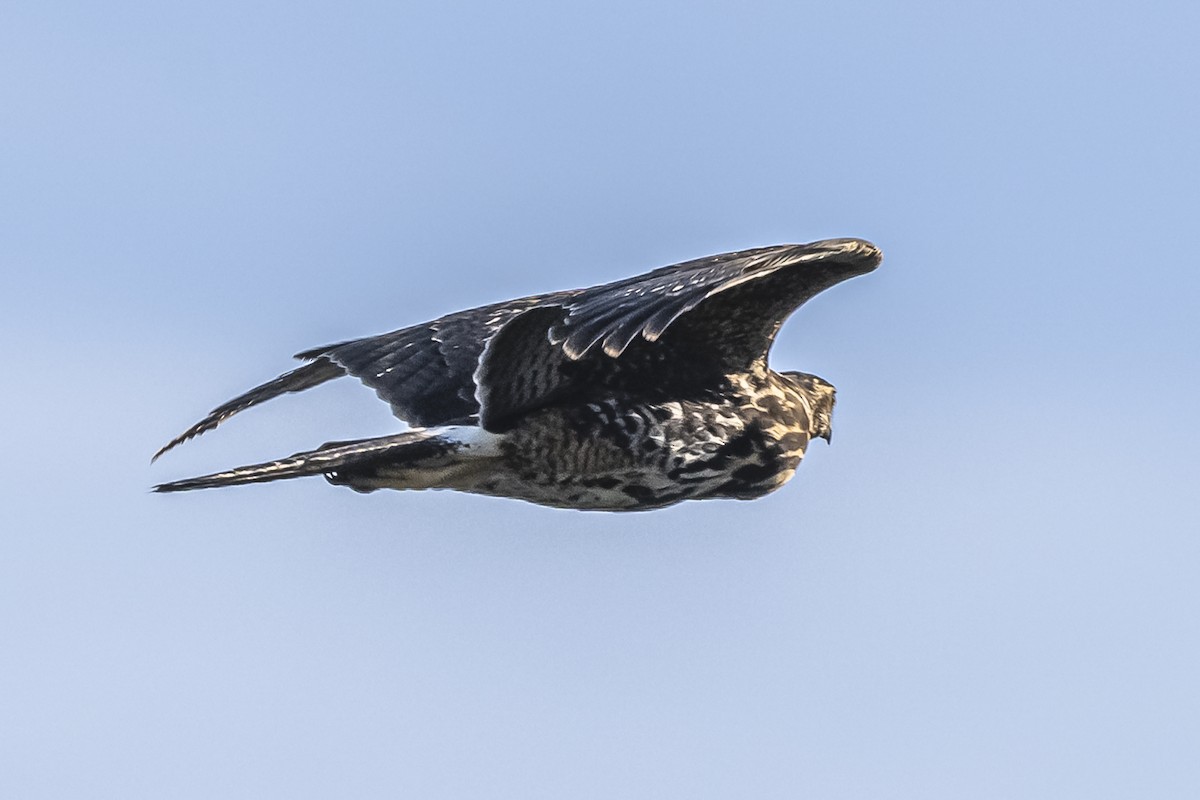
[[821, 396]]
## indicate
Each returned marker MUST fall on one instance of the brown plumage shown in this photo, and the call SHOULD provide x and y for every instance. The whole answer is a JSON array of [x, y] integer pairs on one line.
[[631, 395]]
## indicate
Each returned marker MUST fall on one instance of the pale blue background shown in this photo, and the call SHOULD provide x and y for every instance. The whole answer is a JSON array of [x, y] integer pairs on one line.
[[986, 588]]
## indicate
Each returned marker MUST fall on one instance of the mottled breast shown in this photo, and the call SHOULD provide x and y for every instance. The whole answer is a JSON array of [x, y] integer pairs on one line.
[[621, 455]]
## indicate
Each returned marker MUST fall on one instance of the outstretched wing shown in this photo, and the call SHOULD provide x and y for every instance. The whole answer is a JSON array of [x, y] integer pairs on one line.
[[425, 372], [677, 326], [673, 330], [299, 379], [758, 288]]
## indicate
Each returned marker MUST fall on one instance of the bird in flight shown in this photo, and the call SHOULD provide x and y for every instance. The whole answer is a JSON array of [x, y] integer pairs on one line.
[[628, 396]]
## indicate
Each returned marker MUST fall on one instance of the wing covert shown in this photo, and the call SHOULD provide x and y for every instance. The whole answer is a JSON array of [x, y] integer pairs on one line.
[[427, 372]]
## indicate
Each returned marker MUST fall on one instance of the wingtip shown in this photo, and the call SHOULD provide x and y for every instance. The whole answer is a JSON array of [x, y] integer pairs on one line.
[[865, 253], [190, 433], [162, 450]]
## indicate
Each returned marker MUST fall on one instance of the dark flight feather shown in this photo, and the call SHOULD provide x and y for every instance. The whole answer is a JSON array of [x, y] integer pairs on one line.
[[683, 323]]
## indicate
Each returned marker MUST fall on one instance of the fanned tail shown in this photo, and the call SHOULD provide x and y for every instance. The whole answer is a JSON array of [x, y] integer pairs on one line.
[[297, 380]]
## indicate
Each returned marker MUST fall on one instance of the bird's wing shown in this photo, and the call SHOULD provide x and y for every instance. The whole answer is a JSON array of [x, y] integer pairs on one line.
[[425, 372], [686, 324], [312, 374], [677, 324], [765, 284]]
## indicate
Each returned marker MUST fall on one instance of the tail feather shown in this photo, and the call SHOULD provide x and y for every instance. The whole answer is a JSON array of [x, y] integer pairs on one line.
[[418, 458], [299, 379], [336, 460]]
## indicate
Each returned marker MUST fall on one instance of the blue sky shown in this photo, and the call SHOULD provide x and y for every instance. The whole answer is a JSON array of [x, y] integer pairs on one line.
[[986, 587]]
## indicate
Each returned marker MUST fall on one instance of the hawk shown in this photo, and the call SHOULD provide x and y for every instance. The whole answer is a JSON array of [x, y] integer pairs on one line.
[[628, 396]]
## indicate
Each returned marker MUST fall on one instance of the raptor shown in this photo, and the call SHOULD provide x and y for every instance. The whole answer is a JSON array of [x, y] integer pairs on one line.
[[632, 395]]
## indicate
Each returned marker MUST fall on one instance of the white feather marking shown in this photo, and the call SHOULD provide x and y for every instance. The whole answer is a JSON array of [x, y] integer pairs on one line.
[[472, 438]]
